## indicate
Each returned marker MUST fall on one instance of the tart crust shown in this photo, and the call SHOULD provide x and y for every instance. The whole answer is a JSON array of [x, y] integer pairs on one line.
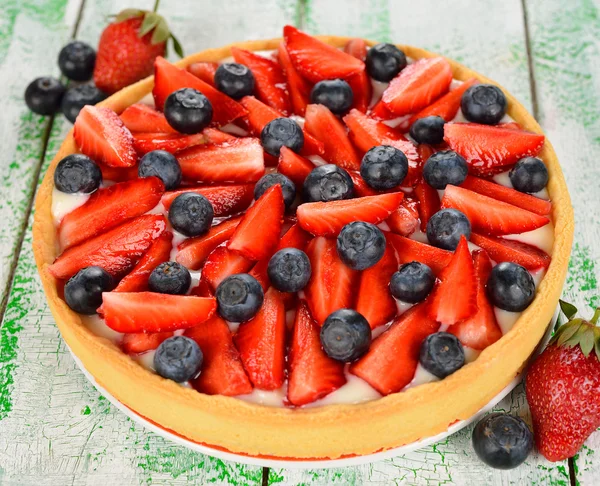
[[330, 431]]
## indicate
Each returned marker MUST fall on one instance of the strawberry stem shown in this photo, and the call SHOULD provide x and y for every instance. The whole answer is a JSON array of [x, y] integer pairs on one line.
[[156, 5], [596, 316]]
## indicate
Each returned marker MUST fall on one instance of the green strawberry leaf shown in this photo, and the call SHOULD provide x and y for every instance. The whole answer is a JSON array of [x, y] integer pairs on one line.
[[568, 331], [150, 21], [177, 46], [128, 13], [161, 32], [586, 341], [569, 310]]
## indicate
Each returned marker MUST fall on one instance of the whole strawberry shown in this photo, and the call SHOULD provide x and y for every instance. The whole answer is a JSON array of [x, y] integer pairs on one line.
[[563, 387]]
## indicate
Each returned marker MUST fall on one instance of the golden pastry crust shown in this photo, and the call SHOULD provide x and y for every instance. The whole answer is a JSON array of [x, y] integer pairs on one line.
[[323, 432]]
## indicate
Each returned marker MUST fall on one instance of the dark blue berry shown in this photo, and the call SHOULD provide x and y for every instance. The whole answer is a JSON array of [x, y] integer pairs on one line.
[[235, 80], [83, 291], [510, 287], [483, 103], [191, 214], [77, 97], [281, 132], [170, 278], [239, 297], [442, 354], [412, 283], [360, 245], [445, 228], [328, 183], [188, 111], [345, 335], [178, 358], [163, 165], [289, 270], [77, 173], [335, 94], [287, 186], [76, 61], [384, 62], [529, 175], [384, 167], [502, 441], [43, 95], [429, 129], [445, 167]]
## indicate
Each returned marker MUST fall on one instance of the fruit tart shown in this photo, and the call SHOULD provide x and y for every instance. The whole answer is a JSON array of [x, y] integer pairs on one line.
[[350, 244]]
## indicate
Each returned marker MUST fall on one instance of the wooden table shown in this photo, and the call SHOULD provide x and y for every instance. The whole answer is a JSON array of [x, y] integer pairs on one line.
[[56, 429]]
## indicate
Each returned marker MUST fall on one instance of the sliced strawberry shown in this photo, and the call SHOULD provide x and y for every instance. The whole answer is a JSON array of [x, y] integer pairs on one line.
[[261, 342], [109, 207], [222, 369], [117, 250], [392, 360], [503, 250], [328, 218], [510, 125], [312, 374], [118, 174], [153, 312], [203, 289], [204, 70], [489, 150], [214, 135], [417, 85], [101, 135], [447, 106], [258, 233], [294, 166], [491, 216], [225, 200], [411, 250], [361, 188], [143, 118], [221, 263], [240, 160], [360, 82], [380, 112], [481, 329], [141, 342], [316, 60], [298, 87], [429, 202], [332, 283], [357, 48], [405, 220], [169, 142], [457, 279]]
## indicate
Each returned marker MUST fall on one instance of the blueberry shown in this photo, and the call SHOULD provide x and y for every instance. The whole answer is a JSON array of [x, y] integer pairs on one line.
[[170, 278], [191, 214], [188, 111], [77, 97], [384, 167], [163, 165], [445, 167], [345, 335], [328, 183], [429, 129], [384, 61], [335, 94], [279, 133], [502, 441], [289, 270], [360, 245], [235, 80], [442, 354], [83, 291], [77, 173], [529, 175], [412, 283], [178, 358], [510, 287], [287, 186], [483, 103], [239, 297], [43, 95], [445, 228], [76, 61]]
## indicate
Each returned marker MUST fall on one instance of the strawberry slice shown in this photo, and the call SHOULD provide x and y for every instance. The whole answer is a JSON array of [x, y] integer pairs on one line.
[[447, 106], [214, 135], [503, 250], [457, 279], [328, 218], [221, 263], [203, 289], [357, 48], [405, 220], [375, 302], [489, 150], [411, 250], [140, 342], [508, 195], [109, 207], [170, 142], [510, 125], [143, 118], [152, 312], [258, 233], [361, 188], [204, 70], [380, 112], [101, 135], [240, 160], [362, 90], [481, 329], [417, 85], [169, 78], [294, 166], [332, 284], [491, 216], [225, 200], [312, 374], [159, 252], [261, 342], [429, 202], [391, 362], [298, 87], [222, 369], [118, 174], [117, 250]]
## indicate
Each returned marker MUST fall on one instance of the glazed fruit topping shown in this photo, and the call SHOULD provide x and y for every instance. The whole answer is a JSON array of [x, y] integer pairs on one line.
[[345, 335], [484, 103], [235, 80], [187, 110], [384, 167], [328, 183], [441, 354], [289, 270], [429, 129], [443, 168], [191, 214], [529, 175], [412, 282], [163, 165], [178, 358], [170, 278], [511, 287], [83, 291], [281, 132], [287, 186], [335, 94], [360, 245], [384, 62], [77, 173], [239, 297], [446, 227]]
